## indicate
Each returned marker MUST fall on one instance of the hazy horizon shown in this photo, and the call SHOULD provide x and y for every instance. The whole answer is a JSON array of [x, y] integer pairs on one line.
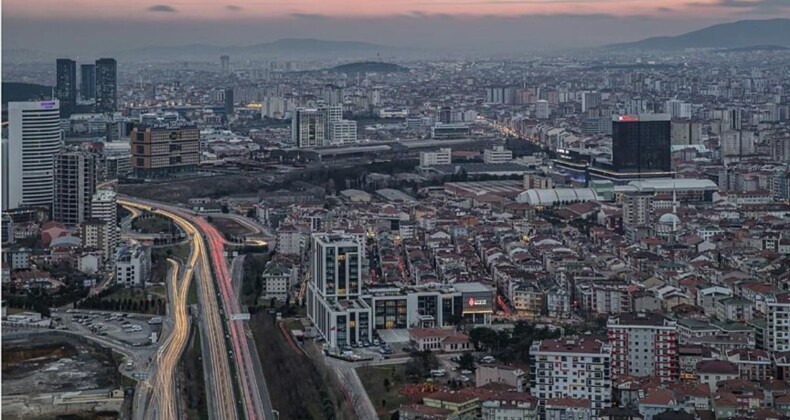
[[91, 27]]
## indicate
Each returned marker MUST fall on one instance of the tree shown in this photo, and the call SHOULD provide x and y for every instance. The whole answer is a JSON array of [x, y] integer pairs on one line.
[[224, 208], [387, 384], [466, 361]]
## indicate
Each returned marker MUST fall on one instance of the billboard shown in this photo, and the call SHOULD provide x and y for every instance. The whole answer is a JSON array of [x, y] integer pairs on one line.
[[478, 302]]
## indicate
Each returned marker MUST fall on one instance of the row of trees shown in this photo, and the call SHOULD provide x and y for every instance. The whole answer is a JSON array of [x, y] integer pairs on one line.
[[156, 306]]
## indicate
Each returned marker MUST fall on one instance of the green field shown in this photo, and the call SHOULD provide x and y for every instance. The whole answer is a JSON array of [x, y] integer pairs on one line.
[[382, 384]]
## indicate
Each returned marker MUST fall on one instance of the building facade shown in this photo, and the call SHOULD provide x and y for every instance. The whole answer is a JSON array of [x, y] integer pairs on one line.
[[133, 266], [571, 367], [334, 292], [106, 85], [497, 155], [442, 156], [88, 81], [34, 139], [66, 86], [162, 150], [644, 344], [75, 183], [641, 143]]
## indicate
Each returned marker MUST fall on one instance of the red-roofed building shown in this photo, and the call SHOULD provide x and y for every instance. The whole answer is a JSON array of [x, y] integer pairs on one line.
[[439, 339], [567, 408]]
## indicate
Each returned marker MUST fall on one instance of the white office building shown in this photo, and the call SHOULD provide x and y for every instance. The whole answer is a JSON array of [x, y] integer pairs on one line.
[[342, 132], [542, 111], [778, 323], [334, 292], [442, 156], [34, 138], [497, 155], [133, 266]]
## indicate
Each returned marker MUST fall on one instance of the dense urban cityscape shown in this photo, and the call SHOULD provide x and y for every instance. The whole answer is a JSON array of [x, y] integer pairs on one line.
[[340, 230]]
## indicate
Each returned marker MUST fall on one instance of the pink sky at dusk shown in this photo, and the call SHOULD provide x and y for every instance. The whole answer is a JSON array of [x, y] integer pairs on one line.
[[235, 9]]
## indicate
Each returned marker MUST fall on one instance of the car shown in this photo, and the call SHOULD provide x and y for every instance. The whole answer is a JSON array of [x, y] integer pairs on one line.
[[488, 359], [464, 378], [376, 342], [466, 372]]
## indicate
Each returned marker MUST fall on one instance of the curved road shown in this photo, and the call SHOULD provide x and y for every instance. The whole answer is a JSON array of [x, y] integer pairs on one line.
[[219, 384]]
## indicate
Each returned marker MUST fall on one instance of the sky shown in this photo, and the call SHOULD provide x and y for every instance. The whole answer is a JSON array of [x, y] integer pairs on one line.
[[99, 26]]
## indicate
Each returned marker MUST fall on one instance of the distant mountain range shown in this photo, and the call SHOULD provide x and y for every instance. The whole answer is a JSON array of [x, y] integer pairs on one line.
[[740, 35], [282, 47], [368, 67], [14, 91]]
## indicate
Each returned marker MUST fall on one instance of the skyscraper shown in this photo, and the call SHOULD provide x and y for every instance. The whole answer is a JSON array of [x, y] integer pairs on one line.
[[75, 183], [308, 127], [225, 63], [641, 143], [34, 138], [229, 102], [542, 111], [106, 85], [88, 81], [66, 86]]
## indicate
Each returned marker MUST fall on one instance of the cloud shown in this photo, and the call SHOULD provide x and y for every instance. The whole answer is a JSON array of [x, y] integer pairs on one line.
[[308, 16], [233, 8], [664, 9], [162, 8], [752, 5]]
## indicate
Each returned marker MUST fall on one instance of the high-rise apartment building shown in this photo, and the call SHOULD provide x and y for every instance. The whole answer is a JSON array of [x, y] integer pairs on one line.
[[229, 102], [571, 367], [644, 344], [637, 209], [308, 127], [542, 111], [34, 138], [104, 208], [333, 95], [736, 143], [445, 115], [686, 132], [66, 86], [780, 148], [778, 323], [590, 100], [641, 143], [75, 184], [333, 299], [96, 234], [224, 61], [106, 85], [88, 81], [161, 150], [677, 109]]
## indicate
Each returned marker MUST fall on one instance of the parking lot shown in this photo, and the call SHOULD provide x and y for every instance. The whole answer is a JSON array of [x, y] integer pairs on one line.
[[130, 329]]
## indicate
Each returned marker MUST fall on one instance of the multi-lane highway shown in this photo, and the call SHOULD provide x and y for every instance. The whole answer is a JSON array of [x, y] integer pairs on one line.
[[170, 353], [253, 405], [219, 383]]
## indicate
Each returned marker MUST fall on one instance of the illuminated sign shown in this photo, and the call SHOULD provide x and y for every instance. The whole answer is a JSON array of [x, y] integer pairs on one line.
[[477, 302], [628, 118], [47, 104]]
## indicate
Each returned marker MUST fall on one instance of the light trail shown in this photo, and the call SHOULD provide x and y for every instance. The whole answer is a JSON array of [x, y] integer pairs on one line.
[[220, 384]]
